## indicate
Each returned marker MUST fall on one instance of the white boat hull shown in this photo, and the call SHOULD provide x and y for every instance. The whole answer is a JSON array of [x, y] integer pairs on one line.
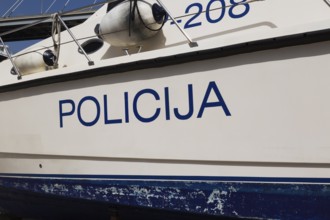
[[175, 135]]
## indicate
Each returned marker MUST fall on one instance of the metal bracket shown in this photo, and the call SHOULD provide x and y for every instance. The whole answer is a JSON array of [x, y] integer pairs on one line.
[[126, 51], [139, 49], [191, 43]]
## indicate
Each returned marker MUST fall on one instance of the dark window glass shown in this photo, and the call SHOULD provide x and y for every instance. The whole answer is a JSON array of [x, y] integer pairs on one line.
[[91, 45]]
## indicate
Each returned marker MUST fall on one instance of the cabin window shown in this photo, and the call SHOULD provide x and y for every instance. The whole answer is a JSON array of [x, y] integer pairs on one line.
[[111, 5], [91, 45]]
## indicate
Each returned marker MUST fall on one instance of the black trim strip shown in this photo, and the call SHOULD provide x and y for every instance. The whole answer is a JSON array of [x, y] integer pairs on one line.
[[247, 47], [241, 179]]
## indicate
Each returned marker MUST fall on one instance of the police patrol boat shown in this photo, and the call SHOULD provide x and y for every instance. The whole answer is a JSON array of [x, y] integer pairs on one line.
[[209, 107]]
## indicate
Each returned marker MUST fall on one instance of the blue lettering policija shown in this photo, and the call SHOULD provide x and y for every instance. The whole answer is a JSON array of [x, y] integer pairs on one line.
[[74, 108]]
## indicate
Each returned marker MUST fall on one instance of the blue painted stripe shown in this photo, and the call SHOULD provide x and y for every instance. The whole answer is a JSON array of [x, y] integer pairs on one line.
[[259, 197], [176, 178]]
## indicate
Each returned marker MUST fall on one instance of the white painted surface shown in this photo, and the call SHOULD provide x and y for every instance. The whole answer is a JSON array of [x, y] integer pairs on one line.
[[279, 124]]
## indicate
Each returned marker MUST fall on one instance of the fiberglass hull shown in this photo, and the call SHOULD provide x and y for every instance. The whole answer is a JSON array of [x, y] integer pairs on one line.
[[220, 136]]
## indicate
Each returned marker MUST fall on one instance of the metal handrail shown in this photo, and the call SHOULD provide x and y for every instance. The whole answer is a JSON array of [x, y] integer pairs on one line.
[[50, 16], [90, 62], [19, 76], [327, 1], [2, 50]]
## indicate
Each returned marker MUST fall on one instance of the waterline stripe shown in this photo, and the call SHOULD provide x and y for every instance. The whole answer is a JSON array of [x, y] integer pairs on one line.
[[171, 178]]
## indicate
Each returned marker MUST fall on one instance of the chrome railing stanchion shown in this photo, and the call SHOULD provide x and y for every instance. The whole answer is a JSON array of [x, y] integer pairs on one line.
[[18, 2], [90, 62], [19, 76]]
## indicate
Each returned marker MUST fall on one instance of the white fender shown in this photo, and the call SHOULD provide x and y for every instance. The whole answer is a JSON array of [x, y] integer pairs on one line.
[[114, 27], [35, 60]]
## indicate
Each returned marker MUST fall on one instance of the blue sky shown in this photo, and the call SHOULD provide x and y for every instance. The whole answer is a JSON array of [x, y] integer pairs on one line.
[[28, 7], [36, 7]]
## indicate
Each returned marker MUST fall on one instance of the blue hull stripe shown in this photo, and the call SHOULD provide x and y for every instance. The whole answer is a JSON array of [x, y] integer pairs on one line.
[[246, 197]]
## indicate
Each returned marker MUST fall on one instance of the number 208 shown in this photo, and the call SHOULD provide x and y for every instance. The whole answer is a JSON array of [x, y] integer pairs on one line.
[[232, 11]]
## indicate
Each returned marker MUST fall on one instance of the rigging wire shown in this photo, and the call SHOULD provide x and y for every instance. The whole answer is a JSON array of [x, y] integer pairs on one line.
[[51, 5], [16, 7], [12, 8], [41, 6], [91, 8], [67, 2]]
